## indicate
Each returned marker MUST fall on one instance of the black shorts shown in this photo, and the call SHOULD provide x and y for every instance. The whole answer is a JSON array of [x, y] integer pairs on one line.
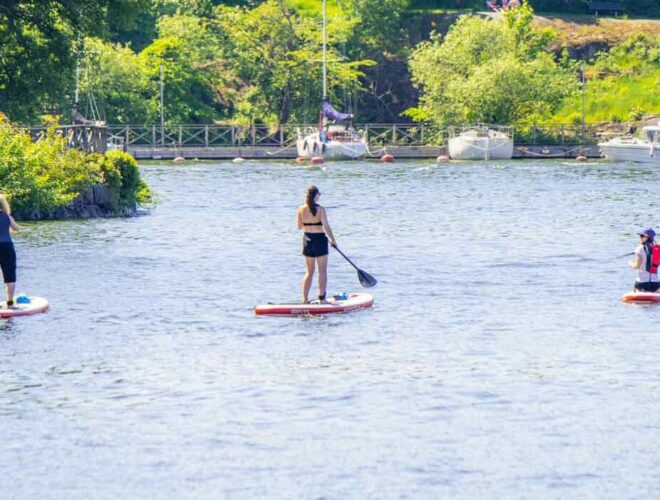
[[8, 262], [315, 245], [650, 286]]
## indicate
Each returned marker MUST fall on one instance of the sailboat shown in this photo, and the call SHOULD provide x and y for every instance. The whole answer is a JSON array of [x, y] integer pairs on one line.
[[333, 141]]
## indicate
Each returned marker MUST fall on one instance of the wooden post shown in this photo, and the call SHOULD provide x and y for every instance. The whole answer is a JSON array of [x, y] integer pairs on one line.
[[206, 136], [126, 136], [153, 136], [180, 133]]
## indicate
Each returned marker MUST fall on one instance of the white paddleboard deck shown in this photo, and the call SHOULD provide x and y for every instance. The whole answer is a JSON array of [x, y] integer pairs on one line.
[[337, 304], [36, 305]]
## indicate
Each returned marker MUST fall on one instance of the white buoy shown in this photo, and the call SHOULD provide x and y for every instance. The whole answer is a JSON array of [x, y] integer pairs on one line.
[[580, 158], [238, 159], [442, 159], [178, 159]]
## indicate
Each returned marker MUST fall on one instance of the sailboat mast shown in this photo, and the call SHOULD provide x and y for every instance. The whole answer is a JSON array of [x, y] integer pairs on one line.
[[325, 42]]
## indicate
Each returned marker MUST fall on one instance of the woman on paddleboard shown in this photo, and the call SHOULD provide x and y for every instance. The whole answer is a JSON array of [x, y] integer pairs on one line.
[[312, 218], [7, 253], [647, 274]]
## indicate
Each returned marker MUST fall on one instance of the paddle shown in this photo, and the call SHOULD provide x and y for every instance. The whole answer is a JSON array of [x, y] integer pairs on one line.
[[625, 255], [366, 279]]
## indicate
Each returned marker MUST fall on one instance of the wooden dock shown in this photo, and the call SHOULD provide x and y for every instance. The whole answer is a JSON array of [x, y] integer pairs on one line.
[[407, 140], [399, 152]]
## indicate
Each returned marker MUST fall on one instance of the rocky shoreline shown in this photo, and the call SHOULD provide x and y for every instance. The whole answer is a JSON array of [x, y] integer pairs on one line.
[[94, 201]]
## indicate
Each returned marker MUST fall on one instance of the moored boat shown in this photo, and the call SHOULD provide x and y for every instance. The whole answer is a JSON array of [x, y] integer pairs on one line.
[[480, 142], [630, 148], [330, 141]]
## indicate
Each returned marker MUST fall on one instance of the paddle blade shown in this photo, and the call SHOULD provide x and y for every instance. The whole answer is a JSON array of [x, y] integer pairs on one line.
[[366, 279]]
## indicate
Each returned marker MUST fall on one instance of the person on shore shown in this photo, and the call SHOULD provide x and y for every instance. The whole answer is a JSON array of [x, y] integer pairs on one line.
[[7, 253], [646, 262], [313, 219]]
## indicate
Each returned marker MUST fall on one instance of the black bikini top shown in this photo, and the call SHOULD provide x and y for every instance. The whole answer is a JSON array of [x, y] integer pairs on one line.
[[319, 223]]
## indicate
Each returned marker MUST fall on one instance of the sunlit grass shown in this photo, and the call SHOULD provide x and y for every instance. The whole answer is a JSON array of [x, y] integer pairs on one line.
[[614, 99]]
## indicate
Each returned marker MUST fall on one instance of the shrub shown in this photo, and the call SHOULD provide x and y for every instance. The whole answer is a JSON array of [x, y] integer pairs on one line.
[[42, 175]]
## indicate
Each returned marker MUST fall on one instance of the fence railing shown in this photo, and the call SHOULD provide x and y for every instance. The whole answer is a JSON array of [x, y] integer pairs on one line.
[[209, 136], [92, 138], [98, 138], [391, 134]]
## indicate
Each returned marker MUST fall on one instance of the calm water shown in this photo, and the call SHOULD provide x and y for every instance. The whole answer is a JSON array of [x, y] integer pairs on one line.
[[498, 360]]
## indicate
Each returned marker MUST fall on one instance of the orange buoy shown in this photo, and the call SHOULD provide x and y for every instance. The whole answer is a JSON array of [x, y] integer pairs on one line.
[[316, 160], [580, 158], [300, 159], [387, 158], [442, 158]]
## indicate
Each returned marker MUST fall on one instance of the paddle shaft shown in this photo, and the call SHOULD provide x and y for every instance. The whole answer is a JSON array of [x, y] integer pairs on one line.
[[344, 256]]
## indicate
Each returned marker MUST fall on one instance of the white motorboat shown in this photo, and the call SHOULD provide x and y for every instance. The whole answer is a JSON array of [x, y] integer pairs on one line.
[[334, 141], [481, 142], [629, 148]]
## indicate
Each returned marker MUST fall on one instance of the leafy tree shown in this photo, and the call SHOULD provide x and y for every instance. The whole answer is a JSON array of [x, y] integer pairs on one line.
[[273, 57], [489, 71], [37, 49], [119, 83]]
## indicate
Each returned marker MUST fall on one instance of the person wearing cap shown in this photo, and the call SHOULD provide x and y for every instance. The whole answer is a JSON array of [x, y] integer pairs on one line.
[[647, 276]]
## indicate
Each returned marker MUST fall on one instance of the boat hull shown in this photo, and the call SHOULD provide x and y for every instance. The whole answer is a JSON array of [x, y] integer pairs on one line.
[[331, 150], [480, 148], [635, 152]]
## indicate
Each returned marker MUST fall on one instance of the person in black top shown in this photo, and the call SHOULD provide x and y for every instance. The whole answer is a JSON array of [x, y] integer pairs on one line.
[[7, 253], [313, 219]]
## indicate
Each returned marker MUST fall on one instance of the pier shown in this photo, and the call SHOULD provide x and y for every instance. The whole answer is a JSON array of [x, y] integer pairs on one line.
[[403, 140]]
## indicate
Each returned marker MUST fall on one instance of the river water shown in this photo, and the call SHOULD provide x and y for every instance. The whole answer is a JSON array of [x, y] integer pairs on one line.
[[497, 362]]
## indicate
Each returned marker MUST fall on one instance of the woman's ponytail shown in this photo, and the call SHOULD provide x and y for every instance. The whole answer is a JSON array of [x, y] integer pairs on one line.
[[312, 191]]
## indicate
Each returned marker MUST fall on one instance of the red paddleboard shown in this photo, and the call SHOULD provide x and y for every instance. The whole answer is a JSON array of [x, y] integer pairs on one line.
[[34, 306], [641, 297], [337, 304]]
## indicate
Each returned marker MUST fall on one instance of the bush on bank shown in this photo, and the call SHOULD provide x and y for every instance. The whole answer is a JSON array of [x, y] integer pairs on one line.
[[41, 176]]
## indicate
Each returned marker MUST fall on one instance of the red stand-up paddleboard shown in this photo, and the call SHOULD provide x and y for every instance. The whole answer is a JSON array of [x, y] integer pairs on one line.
[[646, 297], [338, 304], [30, 305]]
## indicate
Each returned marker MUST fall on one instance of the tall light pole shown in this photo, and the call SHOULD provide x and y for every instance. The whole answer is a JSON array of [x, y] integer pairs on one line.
[[162, 112], [584, 116]]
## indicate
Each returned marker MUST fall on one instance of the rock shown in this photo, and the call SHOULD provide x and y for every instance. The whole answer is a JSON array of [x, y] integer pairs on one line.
[[102, 197], [95, 201]]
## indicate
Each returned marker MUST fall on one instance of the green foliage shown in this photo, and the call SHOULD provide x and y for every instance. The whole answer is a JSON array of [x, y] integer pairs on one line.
[[118, 80], [621, 85], [272, 62], [489, 71], [122, 177], [37, 48], [44, 175]]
